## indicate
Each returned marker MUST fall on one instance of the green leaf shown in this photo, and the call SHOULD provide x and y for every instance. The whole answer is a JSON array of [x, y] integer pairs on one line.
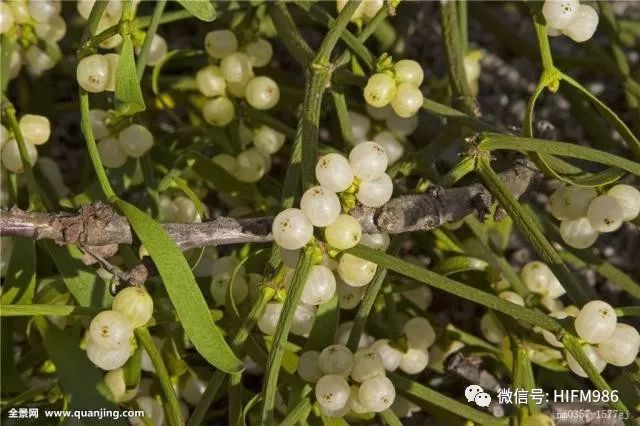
[[55, 310], [419, 393], [129, 98], [20, 279], [201, 9], [86, 287], [78, 377], [564, 149], [298, 414], [457, 288], [568, 173], [190, 305], [456, 264]]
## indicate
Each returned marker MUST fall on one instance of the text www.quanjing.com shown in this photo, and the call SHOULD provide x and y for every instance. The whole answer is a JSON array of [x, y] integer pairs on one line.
[[93, 414]]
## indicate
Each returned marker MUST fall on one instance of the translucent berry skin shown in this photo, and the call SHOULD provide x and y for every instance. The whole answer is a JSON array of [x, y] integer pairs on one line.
[[157, 51], [414, 360], [268, 322], [419, 332], [366, 365], [377, 394], [98, 123], [376, 241], [629, 199], [401, 126], [210, 81], [539, 278], [375, 193], [185, 210], [578, 233], [389, 355], [360, 126], [227, 162], [490, 329], [576, 201], [559, 13], [220, 288], [303, 319], [221, 43], [392, 147], [355, 271], [334, 173], [368, 161], [110, 330], [593, 356], [236, 67], [268, 140], [348, 297], [621, 348], [381, 113], [112, 60], [596, 322], [605, 214], [251, 166], [321, 206], [219, 111], [6, 18], [336, 359], [193, 389], [262, 93], [114, 380], [135, 140], [319, 287], [308, 369], [11, 159], [408, 71], [292, 229], [380, 89], [107, 359], [135, 304], [512, 297], [36, 129], [583, 25], [343, 233], [260, 52], [92, 73], [407, 101], [332, 392], [111, 153], [372, 7]]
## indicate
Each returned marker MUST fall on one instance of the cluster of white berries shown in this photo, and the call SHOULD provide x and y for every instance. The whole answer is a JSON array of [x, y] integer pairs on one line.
[[115, 147], [367, 9], [388, 129], [221, 273], [110, 332], [606, 340], [233, 76], [584, 214], [398, 87], [179, 209], [110, 17], [253, 163], [569, 17], [35, 22], [35, 130], [370, 391]]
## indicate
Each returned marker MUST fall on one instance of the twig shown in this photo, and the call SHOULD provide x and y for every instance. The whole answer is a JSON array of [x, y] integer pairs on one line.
[[99, 225]]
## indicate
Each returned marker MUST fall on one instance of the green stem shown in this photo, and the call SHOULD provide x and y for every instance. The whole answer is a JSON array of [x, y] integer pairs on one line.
[[455, 54], [285, 321], [289, 34], [94, 19], [39, 309], [543, 44], [340, 107], [197, 417], [151, 32], [530, 229], [298, 414], [143, 22], [174, 415]]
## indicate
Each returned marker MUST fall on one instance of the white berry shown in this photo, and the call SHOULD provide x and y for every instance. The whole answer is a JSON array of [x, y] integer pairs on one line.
[[596, 321], [135, 140], [107, 359], [628, 198], [355, 271], [401, 126], [360, 126], [210, 81], [559, 13], [392, 147], [414, 360], [236, 67], [336, 359], [344, 232], [135, 304], [368, 161], [292, 229], [11, 159], [621, 348], [408, 71], [307, 368], [219, 111], [512, 297], [251, 165], [540, 279], [376, 241], [268, 321], [262, 93], [321, 206], [332, 392], [419, 332], [221, 43], [366, 365], [111, 153], [110, 330], [348, 297], [377, 394], [375, 193], [333, 172], [390, 356], [93, 73], [407, 101], [583, 25], [605, 214], [578, 233], [268, 140], [260, 52], [319, 287], [592, 355], [380, 89]]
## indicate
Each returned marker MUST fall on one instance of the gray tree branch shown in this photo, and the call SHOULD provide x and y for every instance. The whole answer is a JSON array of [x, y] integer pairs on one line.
[[99, 225]]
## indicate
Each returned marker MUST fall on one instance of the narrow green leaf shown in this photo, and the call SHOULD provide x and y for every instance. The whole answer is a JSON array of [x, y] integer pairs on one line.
[[82, 281], [174, 416], [457, 288], [55, 310], [20, 280], [298, 414], [455, 264], [201, 9], [388, 417], [159, 67], [78, 377], [191, 307], [417, 393], [129, 98], [568, 173], [564, 149]]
